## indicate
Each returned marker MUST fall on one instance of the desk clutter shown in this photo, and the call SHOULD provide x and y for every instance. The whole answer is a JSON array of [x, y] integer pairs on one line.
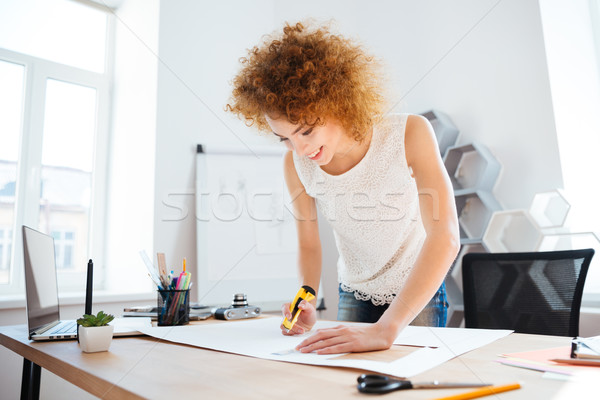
[[262, 339], [173, 305], [586, 348], [196, 311], [239, 309], [164, 280], [579, 357]]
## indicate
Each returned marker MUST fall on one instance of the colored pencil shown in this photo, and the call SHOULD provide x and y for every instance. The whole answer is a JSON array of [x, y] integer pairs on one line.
[[485, 391]]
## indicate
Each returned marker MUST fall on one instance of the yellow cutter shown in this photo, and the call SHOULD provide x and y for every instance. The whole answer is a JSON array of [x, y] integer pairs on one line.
[[305, 293]]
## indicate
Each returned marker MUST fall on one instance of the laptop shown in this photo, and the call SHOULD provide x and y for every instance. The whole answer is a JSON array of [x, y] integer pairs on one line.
[[41, 293]]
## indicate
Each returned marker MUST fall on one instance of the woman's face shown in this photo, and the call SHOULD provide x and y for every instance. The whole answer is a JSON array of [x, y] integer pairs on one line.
[[318, 143]]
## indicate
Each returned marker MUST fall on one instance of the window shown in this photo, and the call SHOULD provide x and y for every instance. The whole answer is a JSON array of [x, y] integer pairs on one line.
[[62, 31], [53, 159], [573, 57], [64, 245]]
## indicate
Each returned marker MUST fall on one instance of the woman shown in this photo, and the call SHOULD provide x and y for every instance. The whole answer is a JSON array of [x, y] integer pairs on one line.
[[379, 180]]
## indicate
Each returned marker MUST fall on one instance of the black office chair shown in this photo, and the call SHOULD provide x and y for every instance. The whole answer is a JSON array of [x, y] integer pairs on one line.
[[538, 292]]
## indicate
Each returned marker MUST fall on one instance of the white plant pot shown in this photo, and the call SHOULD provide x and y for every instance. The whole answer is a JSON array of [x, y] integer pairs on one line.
[[95, 338]]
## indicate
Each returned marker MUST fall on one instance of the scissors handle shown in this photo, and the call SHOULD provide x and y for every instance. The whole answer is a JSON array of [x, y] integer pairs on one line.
[[382, 387], [381, 384]]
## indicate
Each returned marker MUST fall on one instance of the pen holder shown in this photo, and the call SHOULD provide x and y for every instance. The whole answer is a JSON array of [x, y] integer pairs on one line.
[[173, 307]]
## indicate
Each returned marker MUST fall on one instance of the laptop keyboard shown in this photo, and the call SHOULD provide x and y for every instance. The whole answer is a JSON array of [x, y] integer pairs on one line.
[[67, 327]]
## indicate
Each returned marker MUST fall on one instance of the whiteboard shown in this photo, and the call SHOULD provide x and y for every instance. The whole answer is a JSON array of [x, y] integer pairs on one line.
[[245, 230]]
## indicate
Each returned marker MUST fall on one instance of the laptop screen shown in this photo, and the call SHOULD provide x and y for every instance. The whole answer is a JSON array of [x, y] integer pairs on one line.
[[40, 278]]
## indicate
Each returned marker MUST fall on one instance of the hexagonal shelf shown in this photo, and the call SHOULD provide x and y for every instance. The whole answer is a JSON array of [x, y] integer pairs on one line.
[[569, 241], [471, 167], [445, 131], [474, 212], [549, 209], [512, 231]]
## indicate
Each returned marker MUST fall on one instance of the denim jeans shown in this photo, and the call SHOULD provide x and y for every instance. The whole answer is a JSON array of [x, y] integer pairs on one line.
[[351, 309]]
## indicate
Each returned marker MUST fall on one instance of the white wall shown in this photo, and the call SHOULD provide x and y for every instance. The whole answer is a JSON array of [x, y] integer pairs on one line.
[[199, 45]]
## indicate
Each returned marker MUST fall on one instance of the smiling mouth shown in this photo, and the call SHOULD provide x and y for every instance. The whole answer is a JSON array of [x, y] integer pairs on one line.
[[314, 155]]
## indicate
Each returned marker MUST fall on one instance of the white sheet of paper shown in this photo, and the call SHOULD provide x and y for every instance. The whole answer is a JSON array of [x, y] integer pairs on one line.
[[130, 326], [262, 338]]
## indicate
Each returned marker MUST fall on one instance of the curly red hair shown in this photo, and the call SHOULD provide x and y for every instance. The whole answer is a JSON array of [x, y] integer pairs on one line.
[[308, 76]]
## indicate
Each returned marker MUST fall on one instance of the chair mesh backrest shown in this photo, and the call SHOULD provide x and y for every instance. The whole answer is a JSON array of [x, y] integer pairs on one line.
[[538, 292]]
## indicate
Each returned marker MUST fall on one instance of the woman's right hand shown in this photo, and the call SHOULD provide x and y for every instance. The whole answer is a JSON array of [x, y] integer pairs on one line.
[[306, 319]]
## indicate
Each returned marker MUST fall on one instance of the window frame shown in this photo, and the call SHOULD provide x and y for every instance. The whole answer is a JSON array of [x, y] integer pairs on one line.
[[29, 164]]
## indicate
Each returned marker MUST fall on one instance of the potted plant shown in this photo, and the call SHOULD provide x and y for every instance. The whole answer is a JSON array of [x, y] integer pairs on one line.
[[95, 334]]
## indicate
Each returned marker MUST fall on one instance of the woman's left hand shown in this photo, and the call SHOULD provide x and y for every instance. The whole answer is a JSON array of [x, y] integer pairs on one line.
[[348, 339]]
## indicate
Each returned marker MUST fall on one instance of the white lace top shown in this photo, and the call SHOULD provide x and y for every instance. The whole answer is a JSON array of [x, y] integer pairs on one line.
[[374, 211]]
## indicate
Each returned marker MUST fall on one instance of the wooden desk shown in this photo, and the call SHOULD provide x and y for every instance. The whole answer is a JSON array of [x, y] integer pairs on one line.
[[143, 367]]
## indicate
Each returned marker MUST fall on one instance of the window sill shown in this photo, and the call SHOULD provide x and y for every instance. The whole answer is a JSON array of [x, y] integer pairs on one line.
[[18, 301], [590, 301]]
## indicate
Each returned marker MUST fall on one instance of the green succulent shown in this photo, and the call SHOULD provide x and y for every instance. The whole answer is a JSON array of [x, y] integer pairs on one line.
[[95, 320]]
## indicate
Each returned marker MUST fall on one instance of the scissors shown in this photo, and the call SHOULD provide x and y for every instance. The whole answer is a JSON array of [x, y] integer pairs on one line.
[[380, 384]]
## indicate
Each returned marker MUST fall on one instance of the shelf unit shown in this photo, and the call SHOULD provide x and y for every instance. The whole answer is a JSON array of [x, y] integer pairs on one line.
[[512, 231], [473, 171], [550, 209], [569, 241], [474, 209], [471, 167], [445, 131]]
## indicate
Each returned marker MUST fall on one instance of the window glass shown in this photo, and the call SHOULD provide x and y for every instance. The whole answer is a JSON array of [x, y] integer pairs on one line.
[[11, 103], [58, 30], [67, 161], [64, 246], [5, 254]]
